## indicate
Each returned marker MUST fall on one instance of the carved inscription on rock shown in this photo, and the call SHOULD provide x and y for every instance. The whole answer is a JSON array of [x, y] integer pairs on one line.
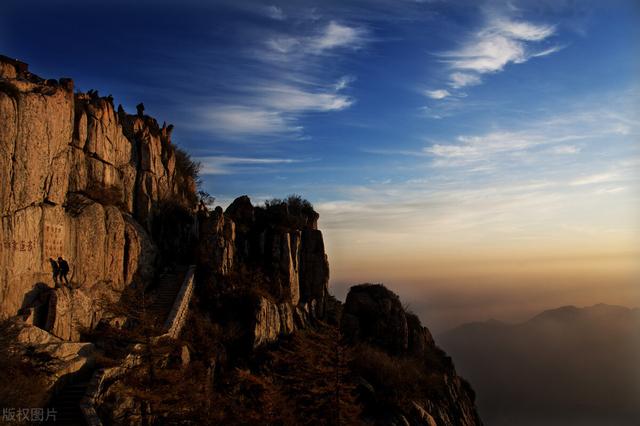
[[53, 240]]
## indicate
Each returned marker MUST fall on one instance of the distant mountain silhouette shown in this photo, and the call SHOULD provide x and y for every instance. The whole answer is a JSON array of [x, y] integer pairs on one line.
[[565, 366]]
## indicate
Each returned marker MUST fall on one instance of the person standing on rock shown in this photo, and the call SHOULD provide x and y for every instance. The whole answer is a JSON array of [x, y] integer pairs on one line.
[[64, 270], [56, 271]]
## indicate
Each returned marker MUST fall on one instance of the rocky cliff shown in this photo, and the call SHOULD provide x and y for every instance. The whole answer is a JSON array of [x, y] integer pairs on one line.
[[281, 247], [82, 181], [263, 342], [428, 391]]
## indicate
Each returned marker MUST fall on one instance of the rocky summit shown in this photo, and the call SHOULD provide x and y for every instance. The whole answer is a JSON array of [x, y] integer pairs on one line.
[[126, 297]]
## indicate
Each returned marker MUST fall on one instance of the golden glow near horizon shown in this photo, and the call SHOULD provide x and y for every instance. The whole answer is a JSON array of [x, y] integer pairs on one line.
[[517, 247]]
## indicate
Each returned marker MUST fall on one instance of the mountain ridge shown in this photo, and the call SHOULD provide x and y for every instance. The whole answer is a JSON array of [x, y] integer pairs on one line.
[[547, 313], [588, 353]]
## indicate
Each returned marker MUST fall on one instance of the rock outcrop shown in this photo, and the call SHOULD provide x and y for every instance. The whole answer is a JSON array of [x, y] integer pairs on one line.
[[283, 247], [374, 317], [217, 242], [47, 357], [273, 320], [82, 181]]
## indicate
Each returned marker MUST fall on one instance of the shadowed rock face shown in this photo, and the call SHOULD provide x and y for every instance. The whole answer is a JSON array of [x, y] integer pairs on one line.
[[288, 251], [81, 181], [373, 317], [373, 314]]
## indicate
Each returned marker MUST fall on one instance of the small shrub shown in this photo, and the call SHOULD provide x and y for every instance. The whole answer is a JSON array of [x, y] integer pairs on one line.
[[186, 166], [293, 212]]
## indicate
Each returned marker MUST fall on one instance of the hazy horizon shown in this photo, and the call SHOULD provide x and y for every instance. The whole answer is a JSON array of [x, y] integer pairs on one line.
[[479, 158]]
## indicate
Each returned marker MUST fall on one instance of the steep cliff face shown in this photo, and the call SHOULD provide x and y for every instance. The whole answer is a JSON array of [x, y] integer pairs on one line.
[[426, 389], [284, 250], [79, 180]]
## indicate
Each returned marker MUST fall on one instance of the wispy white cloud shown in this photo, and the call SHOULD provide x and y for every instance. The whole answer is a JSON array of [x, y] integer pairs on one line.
[[525, 182], [610, 190], [597, 178], [548, 51], [460, 79], [244, 121], [275, 12], [336, 35], [343, 82], [519, 30], [565, 149], [468, 149], [282, 44], [290, 98], [561, 135], [332, 36], [290, 80], [437, 94], [224, 165], [502, 41]]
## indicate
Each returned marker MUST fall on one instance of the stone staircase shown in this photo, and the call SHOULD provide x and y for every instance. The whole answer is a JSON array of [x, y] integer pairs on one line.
[[66, 402], [164, 294]]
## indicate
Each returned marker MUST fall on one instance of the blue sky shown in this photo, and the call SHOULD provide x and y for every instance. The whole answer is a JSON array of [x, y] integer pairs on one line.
[[427, 133]]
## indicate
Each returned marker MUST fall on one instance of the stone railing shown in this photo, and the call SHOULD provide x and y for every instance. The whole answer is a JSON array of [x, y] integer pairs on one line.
[[173, 326], [178, 315]]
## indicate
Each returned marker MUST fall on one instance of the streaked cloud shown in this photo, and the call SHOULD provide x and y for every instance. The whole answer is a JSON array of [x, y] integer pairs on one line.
[[561, 135], [344, 82], [275, 12], [460, 79], [501, 42], [283, 44], [225, 165], [336, 35], [290, 98], [565, 149], [437, 94], [332, 36], [291, 79], [519, 30], [244, 121], [596, 179], [536, 183]]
